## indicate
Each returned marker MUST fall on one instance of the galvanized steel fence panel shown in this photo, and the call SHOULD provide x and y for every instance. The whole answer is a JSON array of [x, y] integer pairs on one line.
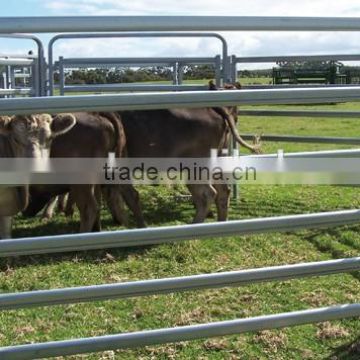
[[171, 234]]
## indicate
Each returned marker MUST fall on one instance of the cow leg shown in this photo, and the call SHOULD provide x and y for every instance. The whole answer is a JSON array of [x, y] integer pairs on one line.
[[132, 200], [49, 209], [61, 205], [85, 199], [97, 223], [35, 207], [69, 208], [5, 227], [203, 196], [115, 202], [222, 201]]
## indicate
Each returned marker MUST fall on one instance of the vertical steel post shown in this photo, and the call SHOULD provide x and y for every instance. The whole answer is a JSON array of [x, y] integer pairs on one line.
[[61, 76], [217, 65], [175, 79], [7, 80], [234, 144], [50, 72], [12, 77], [233, 66], [36, 77], [181, 73]]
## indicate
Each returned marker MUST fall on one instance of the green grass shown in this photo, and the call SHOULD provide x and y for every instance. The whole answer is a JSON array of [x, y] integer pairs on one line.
[[338, 340]]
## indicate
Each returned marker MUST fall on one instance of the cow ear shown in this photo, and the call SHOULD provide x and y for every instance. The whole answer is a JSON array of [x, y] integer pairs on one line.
[[5, 123], [212, 86], [62, 123]]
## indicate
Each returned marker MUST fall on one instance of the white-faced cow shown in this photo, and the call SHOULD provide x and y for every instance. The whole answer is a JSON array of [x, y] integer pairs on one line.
[[25, 137], [93, 136]]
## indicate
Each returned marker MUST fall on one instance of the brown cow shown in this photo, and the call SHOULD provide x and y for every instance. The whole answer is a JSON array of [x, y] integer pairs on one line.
[[93, 136], [25, 136], [188, 133]]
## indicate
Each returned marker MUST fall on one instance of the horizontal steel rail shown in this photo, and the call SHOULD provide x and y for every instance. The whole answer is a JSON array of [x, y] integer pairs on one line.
[[296, 86], [67, 62], [175, 23], [24, 91], [269, 59], [183, 333], [346, 153], [165, 100], [301, 113], [22, 76], [133, 87], [306, 139], [18, 56], [170, 234], [170, 285], [16, 61]]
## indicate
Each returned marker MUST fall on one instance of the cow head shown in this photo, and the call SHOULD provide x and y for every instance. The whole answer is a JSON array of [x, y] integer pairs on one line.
[[31, 134], [237, 86]]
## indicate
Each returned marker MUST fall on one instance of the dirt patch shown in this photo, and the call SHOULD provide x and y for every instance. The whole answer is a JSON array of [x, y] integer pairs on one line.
[[327, 330]]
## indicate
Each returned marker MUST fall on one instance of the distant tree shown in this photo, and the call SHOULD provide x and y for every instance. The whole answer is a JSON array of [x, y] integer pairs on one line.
[[198, 72]]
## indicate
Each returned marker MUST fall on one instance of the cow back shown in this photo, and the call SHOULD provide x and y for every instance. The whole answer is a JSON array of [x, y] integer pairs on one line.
[[173, 132]]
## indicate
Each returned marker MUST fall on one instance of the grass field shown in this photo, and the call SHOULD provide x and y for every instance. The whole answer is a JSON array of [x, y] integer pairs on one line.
[[335, 340]]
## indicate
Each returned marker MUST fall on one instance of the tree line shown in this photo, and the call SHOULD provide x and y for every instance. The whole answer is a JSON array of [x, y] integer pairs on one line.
[[129, 75]]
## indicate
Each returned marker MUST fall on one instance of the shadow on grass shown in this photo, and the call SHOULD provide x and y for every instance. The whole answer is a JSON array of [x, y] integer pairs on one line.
[[159, 211], [335, 238], [349, 351], [91, 256]]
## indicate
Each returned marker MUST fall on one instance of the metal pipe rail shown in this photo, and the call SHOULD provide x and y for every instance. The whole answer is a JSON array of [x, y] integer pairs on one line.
[[16, 61], [175, 23], [64, 63], [41, 66], [170, 234], [133, 87], [22, 75], [301, 113], [87, 62], [169, 285], [24, 91], [295, 86], [166, 100], [226, 65], [304, 113], [17, 56], [306, 139], [183, 333], [347, 153]]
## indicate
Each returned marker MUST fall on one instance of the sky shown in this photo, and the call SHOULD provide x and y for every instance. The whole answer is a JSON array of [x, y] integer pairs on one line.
[[240, 43]]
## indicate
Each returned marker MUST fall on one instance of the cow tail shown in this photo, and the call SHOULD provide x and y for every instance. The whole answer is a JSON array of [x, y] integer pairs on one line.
[[232, 126], [120, 139]]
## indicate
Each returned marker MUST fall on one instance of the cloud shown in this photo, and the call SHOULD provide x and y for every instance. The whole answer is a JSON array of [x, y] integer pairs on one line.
[[206, 7], [240, 43]]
